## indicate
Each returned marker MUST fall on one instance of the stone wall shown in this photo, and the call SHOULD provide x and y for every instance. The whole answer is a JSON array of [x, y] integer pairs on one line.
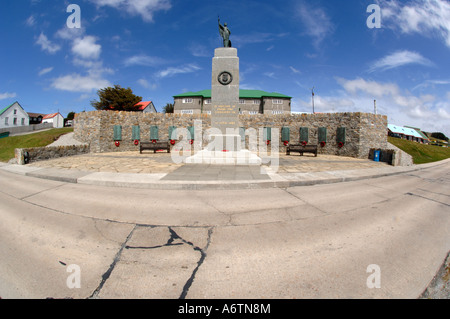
[[364, 131], [45, 153]]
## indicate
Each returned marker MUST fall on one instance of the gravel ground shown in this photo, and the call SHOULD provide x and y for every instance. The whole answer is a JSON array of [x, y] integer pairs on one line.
[[66, 140], [439, 288]]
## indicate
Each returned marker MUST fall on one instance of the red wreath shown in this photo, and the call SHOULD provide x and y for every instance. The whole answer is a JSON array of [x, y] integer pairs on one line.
[[341, 145], [191, 142], [286, 143], [304, 143], [172, 142], [136, 142], [153, 141], [268, 142], [323, 144], [117, 143]]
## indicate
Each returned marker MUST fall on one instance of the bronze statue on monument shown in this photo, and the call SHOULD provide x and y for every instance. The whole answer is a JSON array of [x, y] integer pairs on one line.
[[225, 34]]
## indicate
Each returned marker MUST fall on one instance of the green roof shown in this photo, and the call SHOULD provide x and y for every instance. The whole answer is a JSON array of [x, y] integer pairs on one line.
[[244, 94], [6, 108]]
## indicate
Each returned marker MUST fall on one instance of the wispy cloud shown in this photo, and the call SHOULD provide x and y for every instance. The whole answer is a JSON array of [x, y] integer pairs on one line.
[[47, 45], [7, 95], [317, 23], [430, 18], [256, 37], [143, 60], [189, 68], [78, 83], [144, 8], [398, 59], [45, 71]]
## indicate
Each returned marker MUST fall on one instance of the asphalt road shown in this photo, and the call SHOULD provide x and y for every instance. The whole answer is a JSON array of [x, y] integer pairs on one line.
[[378, 238]]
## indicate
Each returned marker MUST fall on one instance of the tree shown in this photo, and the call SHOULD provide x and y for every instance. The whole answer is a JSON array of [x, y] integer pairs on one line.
[[117, 99], [70, 116], [168, 108], [440, 136]]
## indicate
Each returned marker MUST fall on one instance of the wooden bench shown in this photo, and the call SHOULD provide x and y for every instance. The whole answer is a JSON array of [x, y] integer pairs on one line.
[[151, 146], [301, 149]]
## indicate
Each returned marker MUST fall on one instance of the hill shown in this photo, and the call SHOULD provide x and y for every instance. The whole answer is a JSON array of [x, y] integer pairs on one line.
[[40, 139], [421, 153]]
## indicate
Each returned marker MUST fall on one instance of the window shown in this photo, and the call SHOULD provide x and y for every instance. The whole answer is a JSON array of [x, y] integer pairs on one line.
[[256, 102], [187, 111], [15, 121], [253, 112], [15, 112], [23, 122], [185, 101], [6, 121], [277, 101], [208, 101], [277, 112], [241, 101]]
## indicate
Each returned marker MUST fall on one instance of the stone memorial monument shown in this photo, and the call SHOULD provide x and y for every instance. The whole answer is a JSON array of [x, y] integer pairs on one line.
[[225, 141]]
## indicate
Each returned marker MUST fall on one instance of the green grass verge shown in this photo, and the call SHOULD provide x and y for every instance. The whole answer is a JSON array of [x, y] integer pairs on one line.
[[9, 144], [421, 153]]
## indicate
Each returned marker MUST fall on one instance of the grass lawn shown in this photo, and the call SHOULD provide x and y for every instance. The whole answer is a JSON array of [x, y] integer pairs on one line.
[[421, 153], [9, 144]]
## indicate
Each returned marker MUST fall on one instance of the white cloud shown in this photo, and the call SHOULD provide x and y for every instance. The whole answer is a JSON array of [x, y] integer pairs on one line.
[[430, 18], [316, 21], [86, 47], [294, 70], [178, 70], [78, 83], [375, 89], [145, 84], [399, 58], [143, 60], [31, 21], [47, 45], [402, 107], [4, 96], [145, 8], [45, 71]]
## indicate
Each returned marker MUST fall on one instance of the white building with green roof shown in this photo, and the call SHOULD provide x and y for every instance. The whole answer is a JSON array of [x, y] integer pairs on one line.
[[13, 116], [250, 102]]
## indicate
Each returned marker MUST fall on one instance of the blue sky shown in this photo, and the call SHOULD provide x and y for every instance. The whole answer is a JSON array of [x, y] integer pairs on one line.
[[161, 48]]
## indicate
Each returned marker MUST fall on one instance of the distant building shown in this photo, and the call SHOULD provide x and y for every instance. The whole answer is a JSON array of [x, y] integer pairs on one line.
[[407, 133], [13, 116], [147, 107], [35, 118], [250, 102], [55, 118]]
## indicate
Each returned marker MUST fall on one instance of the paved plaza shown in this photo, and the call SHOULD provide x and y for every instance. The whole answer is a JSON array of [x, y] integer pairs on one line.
[[161, 162]]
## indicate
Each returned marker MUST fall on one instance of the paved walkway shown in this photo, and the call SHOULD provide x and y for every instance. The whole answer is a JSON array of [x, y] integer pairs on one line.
[[150, 163], [160, 171]]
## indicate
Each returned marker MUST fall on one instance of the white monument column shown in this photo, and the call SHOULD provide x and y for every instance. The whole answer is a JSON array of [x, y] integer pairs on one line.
[[225, 98], [225, 140]]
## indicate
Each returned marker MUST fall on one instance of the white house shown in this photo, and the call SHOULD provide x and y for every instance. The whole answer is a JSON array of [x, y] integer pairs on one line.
[[56, 118], [13, 116], [147, 107]]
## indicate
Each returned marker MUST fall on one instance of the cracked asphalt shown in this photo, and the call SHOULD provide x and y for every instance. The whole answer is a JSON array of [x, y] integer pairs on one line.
[[298, 242]]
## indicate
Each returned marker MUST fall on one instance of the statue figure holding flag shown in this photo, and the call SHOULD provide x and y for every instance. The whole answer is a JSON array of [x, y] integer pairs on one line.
[[225, 34]]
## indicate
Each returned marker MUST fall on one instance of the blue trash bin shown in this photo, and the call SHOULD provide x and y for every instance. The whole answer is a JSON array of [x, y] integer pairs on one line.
[[376, 155]]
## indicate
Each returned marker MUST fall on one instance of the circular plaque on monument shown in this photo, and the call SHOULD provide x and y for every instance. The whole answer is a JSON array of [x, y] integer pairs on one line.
[[225, 78]]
